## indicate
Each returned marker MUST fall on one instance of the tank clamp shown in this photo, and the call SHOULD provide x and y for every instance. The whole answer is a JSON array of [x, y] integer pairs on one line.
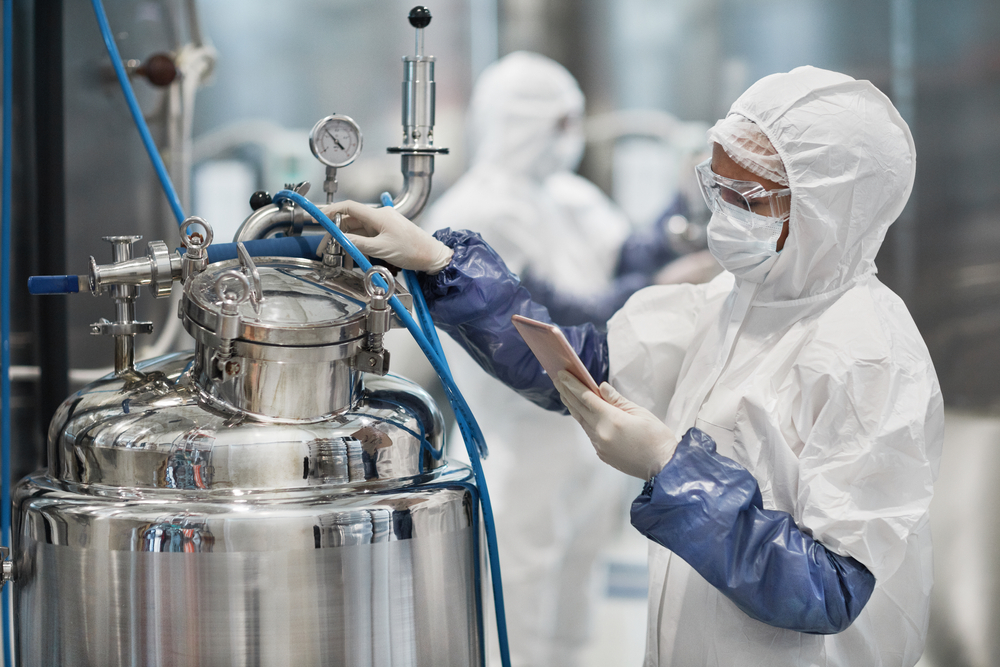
[[6, 567]]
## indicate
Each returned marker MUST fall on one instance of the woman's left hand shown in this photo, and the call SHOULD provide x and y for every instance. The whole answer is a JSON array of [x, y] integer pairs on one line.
[[626, 436]]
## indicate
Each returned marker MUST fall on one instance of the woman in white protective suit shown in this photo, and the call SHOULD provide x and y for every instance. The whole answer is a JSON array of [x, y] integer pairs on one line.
[[789, 524], [555, 503]]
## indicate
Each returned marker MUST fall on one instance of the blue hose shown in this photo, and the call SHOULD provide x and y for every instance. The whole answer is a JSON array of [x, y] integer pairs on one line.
[[8, 112], [474, 442], [133, 107]]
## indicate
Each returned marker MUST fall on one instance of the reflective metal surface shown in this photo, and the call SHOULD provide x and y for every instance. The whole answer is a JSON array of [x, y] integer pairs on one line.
[[273, 580], [301, 305], [163, 432], [288, 349], [171, 531]]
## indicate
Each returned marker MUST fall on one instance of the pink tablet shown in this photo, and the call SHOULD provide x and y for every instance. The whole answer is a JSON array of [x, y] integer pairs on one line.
[[553, 350]]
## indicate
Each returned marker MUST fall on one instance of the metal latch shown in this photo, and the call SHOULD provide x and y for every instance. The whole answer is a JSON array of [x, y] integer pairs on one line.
[[232, 288], [373, 358]]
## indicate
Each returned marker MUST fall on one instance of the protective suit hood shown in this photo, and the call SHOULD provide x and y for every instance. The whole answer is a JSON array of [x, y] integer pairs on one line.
[[850, 176], [525, 117]]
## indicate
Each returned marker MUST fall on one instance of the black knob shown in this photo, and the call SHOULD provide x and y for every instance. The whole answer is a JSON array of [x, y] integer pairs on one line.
[[420, 17], [160, 69], [259, 199]]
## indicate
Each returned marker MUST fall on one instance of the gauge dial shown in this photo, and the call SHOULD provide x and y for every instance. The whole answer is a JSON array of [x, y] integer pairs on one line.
[[336, 140]]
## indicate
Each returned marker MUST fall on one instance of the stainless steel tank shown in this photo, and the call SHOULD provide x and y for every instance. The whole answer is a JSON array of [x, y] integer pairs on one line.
[[260, 501]]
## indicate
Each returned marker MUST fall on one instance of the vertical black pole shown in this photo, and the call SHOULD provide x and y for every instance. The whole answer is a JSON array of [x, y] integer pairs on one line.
[[53, 341]]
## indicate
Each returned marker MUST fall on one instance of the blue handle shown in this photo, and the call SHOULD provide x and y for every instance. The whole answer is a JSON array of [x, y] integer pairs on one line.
[[53, 284]]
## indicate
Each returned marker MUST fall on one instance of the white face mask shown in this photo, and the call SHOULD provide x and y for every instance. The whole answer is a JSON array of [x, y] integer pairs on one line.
[[563, 152], [568, 150], [744, 243]]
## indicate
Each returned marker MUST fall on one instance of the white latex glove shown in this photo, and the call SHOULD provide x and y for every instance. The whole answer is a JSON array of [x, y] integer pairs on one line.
[[626, 436], [386, 234]]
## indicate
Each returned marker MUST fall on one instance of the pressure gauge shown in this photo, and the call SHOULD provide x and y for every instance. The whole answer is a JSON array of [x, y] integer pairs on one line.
[[336, 140]]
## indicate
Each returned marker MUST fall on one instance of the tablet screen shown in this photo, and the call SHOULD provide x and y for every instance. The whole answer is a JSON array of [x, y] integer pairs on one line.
[[552, 350]]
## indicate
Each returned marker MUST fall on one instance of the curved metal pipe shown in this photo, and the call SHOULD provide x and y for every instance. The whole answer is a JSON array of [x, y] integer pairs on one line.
[[417, 171], [272, 218]]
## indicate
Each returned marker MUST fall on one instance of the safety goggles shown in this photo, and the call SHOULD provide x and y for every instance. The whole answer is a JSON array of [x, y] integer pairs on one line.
[[721, 193]]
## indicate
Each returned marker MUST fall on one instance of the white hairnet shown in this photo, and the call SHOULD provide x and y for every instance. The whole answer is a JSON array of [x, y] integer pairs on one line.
[[749, 147]]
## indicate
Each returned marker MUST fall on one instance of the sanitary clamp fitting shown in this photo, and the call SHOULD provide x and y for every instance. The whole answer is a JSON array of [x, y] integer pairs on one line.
[[6, 567]]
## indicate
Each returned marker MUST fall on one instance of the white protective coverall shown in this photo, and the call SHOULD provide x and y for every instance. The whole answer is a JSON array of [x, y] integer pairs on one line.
[[555, 503], [816, 380]]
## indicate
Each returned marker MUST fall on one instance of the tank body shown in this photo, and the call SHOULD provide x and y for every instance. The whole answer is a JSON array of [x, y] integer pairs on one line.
[[173, 527]]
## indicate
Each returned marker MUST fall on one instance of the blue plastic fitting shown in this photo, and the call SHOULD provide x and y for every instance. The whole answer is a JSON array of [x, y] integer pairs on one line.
[[53, 284]]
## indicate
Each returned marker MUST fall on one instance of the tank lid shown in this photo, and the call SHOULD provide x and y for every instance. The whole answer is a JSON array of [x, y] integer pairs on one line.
[[301, 303]]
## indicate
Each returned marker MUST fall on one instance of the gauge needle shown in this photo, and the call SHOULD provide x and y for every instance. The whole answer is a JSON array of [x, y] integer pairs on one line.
[[339, 145]]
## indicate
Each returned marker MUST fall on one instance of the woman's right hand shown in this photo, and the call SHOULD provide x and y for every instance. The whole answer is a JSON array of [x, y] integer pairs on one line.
[[626, 436], [386, 234]]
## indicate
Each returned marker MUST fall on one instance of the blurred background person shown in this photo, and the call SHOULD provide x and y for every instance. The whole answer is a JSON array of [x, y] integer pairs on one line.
[[566, 239]]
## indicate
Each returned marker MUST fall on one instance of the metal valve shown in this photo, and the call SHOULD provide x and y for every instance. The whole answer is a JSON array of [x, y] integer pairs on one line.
[[125, 326], [373, 358], [158, 269], [419, 94]]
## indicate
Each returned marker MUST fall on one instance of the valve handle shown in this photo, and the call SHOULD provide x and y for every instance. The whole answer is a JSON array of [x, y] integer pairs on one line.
[[420, 17], [260, 199], [160, 69], [56, 284]]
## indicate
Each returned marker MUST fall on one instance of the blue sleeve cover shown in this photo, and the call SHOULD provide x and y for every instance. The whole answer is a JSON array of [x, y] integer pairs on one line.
[[647, 251], [707, 509], [569, 309], [473, 299], [643, 254]]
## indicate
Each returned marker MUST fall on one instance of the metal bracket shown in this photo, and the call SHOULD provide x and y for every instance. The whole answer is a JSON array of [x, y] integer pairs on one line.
[[232, 288], [373, 358], [372, 362], [6, 567], [105, 327]]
